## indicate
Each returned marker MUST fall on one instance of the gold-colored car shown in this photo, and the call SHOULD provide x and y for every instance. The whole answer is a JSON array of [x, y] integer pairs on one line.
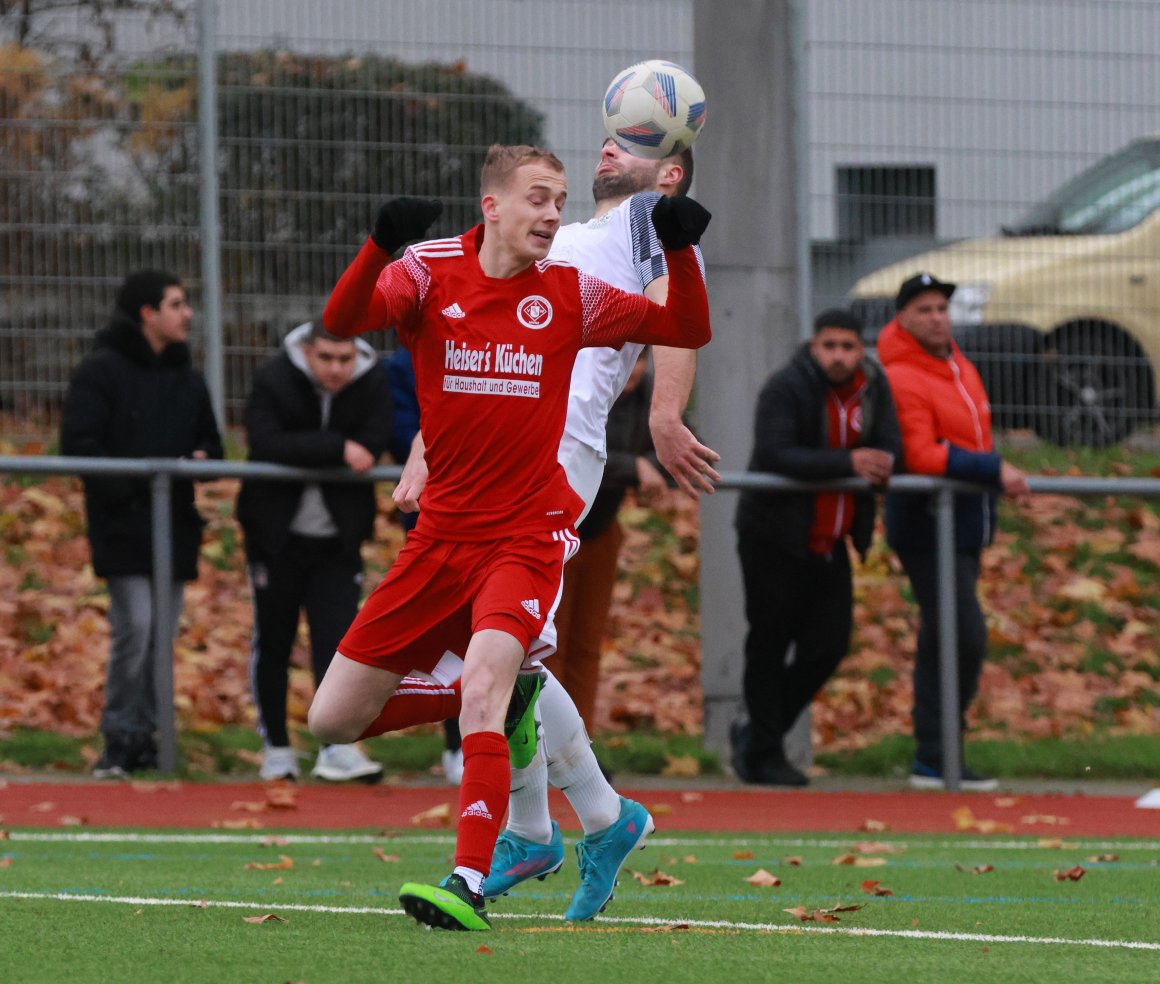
[[1061, 312]]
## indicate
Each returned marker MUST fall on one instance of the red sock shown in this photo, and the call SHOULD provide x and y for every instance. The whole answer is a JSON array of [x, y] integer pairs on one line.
[[416, 701], [483, 796]]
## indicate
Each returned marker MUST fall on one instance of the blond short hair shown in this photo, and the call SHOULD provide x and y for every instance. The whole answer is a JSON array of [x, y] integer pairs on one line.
[[502, 161]]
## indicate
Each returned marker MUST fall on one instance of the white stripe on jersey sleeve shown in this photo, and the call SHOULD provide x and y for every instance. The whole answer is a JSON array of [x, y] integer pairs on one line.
[[440, 247]]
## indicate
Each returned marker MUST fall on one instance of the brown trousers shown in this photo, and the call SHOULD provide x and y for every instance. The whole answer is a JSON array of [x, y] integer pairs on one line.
[[582, 617]]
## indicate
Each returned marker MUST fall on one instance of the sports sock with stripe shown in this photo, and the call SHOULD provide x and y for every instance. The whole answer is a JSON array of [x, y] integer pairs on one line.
[[416, 701], [483, 794]]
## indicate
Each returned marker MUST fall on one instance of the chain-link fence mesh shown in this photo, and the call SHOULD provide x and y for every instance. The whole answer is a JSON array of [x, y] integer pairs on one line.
[[323, 111], [981, 142], [938, 135]]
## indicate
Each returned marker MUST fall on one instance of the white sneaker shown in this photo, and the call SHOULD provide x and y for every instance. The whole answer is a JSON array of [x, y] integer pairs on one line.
[[453, 765], [279, 762], [342, 763]]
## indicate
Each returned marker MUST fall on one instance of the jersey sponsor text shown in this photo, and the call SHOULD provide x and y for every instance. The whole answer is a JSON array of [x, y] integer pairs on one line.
[[491, 386]]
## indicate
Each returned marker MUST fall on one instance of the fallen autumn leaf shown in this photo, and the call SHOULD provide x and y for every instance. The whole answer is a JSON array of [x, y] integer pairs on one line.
[[763, 879], [283, 863]]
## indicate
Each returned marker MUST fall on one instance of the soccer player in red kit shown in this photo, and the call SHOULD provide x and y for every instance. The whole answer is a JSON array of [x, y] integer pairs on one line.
[[493, 328]]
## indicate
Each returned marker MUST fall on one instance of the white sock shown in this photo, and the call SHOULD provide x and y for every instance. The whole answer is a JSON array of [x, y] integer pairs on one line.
[[572, 765], [528, 802], [473, 878]]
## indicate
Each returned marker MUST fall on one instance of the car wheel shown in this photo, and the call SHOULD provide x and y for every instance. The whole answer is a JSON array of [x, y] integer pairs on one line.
[[1009, 359], [1097, 387]]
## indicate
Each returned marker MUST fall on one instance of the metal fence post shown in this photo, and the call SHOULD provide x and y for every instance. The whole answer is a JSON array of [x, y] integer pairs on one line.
[[948, 639], [161, 487], [207, 151]]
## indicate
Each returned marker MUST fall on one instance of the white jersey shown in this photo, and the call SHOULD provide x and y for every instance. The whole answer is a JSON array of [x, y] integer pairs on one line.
[[621, 248]]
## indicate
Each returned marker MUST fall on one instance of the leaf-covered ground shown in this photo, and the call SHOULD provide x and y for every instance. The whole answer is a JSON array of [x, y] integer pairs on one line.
[[1070, 589]]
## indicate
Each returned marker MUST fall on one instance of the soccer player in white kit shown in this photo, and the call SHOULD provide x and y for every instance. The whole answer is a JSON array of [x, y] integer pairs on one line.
[[618, 245]]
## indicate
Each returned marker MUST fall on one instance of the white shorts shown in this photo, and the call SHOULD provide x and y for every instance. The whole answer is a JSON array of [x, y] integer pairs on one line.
[[585, 469]]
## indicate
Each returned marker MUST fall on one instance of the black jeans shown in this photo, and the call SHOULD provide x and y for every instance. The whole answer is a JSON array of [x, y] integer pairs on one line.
[[312, 573], [806, 601], [922, 569]]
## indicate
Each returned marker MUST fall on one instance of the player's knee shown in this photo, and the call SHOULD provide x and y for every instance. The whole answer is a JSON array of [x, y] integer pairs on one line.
[[328, 727]]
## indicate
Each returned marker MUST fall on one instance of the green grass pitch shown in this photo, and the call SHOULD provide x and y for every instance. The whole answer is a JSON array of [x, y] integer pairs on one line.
[[112, 906]]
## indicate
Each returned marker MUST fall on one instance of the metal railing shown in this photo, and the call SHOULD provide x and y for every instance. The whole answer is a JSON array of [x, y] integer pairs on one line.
[[162, 471]]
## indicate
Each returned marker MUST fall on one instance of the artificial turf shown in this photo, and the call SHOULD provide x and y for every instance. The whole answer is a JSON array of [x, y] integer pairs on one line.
[[114, 906]]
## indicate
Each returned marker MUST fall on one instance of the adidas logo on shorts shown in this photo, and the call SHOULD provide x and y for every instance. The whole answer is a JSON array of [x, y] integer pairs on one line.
[[532, 607], [477, 809]]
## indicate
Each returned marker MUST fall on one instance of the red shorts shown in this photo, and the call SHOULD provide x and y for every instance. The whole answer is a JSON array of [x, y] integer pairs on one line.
[[439, 592]]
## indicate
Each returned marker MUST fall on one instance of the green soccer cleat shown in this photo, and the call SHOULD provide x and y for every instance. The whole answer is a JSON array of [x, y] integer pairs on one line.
[[451, 905], [519, 727]]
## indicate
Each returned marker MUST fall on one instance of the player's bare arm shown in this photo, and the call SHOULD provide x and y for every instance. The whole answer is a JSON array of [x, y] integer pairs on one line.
[[680, 453], [413, 479]]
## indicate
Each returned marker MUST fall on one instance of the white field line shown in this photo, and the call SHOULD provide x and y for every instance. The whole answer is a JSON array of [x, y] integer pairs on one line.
[[101, 837], [781, 928]]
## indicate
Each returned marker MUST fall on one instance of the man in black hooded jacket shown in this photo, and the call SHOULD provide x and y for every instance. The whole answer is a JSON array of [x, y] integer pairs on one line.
[[137, 395], [322, 402], [828, 414]]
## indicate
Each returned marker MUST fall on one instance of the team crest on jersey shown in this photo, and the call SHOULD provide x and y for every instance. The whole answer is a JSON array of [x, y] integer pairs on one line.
[[856, 419], [534, 311]]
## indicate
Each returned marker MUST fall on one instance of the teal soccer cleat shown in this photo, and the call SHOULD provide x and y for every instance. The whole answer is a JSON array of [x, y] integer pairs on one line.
[[517, 860], [601, 855]]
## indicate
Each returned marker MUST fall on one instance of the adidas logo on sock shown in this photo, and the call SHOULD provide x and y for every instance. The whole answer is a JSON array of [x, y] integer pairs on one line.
[[532, 607], [455, 311], [477, 809]]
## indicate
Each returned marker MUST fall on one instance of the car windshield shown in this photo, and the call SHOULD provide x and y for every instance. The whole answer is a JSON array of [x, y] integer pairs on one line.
[[1112, 195]]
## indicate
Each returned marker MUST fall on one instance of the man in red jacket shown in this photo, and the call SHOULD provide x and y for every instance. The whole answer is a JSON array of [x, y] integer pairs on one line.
[[945, 419]]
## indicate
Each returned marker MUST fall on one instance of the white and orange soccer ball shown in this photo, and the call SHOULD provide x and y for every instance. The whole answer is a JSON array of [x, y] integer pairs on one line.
[[654, 109]]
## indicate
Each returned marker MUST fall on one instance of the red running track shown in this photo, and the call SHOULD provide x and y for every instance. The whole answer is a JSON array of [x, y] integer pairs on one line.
[[174, 804]]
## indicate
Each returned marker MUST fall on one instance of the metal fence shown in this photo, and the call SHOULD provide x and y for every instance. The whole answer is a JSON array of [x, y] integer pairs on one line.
[[162, 472], [929, 124]]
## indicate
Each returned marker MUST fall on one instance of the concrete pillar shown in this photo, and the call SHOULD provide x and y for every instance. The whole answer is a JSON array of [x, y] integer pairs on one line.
[[747, 175]]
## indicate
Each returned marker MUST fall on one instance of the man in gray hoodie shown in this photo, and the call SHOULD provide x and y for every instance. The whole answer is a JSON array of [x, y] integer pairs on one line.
[[321, 403]]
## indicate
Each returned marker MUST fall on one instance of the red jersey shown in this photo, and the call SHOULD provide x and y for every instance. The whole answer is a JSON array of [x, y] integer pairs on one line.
[[493, 361]]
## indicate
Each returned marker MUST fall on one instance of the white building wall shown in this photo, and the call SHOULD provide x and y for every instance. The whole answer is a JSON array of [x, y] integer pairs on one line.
[[1006, 98]]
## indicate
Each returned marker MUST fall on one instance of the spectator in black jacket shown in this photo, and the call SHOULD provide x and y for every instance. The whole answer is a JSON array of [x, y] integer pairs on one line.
[[828, 414], [137, 395], [321, 403]]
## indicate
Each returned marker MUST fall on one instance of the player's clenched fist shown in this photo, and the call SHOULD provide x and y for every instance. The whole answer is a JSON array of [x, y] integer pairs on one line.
[[402, 219], [679, 222]]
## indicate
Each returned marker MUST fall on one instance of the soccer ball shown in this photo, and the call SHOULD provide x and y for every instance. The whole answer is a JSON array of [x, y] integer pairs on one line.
[[654, 109]]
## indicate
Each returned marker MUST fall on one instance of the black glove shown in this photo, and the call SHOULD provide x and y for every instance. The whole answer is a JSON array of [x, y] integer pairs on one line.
[[402, 219], [679, 222]]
